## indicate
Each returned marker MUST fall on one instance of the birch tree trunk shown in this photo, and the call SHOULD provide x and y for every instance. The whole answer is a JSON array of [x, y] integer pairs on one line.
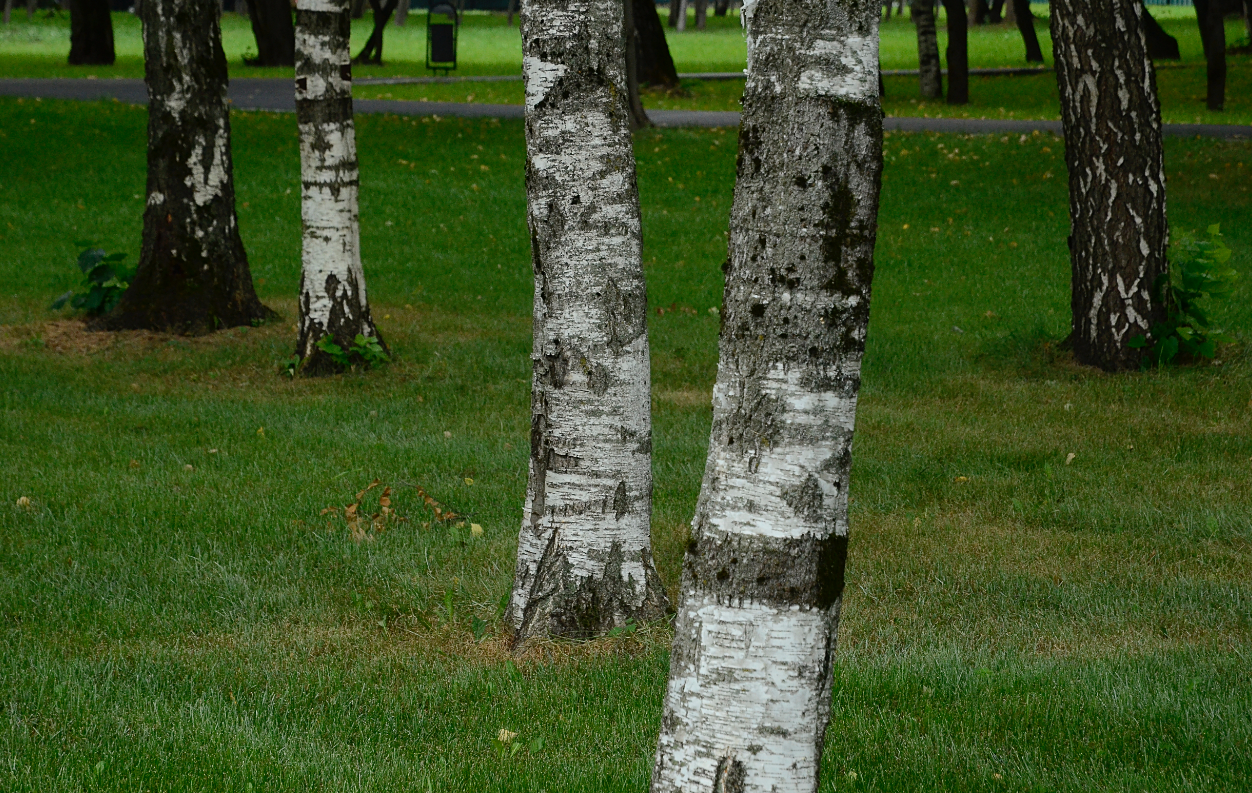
[[702, 12], [750, 675], [957, 52], [1212, 24], [193, 274], [654, 64], [333, 302], [929, 71], [275, 36], [681, 24], [91, 33], [1026, 26], [584, 559], [630, 46], [1113, 151]]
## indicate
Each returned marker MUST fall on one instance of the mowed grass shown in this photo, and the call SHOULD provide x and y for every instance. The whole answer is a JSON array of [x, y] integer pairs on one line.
[[1012, 621]]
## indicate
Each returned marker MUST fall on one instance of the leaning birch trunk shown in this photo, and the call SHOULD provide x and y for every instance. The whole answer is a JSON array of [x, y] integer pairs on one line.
[[584, 559], [750, 675], [333, 301], [1113, 151], [929, 71]]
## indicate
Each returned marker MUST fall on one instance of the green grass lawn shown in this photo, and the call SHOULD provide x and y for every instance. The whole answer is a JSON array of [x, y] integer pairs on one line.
[[489, 46], [177, 612]]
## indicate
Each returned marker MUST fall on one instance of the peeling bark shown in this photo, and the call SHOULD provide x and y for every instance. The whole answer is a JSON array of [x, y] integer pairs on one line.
[[654, 64], [1113, 151], [749, 691], [333, 301], [193, 274], [930, 73], [584, 560], [274, 33], [91, 33], [958, 52]]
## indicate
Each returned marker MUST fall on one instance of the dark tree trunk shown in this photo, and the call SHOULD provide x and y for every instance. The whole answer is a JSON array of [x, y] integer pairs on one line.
[[751, 672], [241, 8], [996, 14], [958, 52], [275, 34], [980, 12], [720, 7], [358, 9], [1113, 151], [512, 11], [1209, 17], [675, 6], [930, 73], [91, 33], [372, 52], [702, 12], [193, 273], [630, 45], [1161, 45], [1026, 26], [402, 12], [654, 64]]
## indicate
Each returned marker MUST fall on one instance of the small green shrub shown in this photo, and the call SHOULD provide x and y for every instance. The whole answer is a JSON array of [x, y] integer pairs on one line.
[[365, 349], [104, 278], [1197, 271]]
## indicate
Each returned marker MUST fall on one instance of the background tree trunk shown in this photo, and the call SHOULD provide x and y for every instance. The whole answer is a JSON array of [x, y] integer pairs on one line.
[[358, 9], [275, 35], [91, 33], [958, 52], [702, 12], [8, 10], [372, 52], [402, 12], [674, 5], [720, 7], [1112, 121], [193, 273], [1209, 17], [333, 301], [980, 11], [749, 691], [584, 559], [654, 64], [681, 24], [512, 11], [1026, 26], [241, 8], [1161, 45], [31, 5], [930, 72], [630, 46]]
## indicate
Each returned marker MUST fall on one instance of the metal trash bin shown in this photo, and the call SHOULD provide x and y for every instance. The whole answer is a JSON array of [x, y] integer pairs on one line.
[[442, 24]]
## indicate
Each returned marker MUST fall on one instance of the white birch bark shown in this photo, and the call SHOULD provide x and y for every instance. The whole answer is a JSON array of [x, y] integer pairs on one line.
[[749, 691], [333, 300], [584, 561]]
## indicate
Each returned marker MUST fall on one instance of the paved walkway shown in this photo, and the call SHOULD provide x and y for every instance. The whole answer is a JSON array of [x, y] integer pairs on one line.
[[276, 94]]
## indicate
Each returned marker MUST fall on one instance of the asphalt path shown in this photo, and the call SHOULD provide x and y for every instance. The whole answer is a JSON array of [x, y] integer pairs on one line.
[[277, 94]]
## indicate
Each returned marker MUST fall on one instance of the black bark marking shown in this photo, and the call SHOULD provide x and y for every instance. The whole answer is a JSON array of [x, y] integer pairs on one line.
[[620, 503], [730, 776]]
